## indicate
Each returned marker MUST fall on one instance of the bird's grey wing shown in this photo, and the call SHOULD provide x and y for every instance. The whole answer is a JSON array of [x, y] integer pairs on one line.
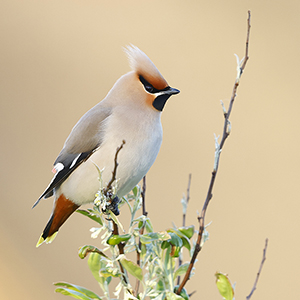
[[84, 139], [63, 171]]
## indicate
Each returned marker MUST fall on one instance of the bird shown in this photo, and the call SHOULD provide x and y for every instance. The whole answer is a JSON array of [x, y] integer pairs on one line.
[[130, 112]]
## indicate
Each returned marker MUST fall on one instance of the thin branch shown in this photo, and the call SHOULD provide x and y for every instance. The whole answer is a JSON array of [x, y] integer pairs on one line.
[[145, 213], [192, 293], [219, 148], [114, 173], [138, 255], [259, 271], [187, 199], [116, 232], [106, 192], [121, 249]]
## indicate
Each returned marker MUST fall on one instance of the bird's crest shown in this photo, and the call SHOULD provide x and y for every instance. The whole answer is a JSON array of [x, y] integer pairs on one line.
[[143, 66]]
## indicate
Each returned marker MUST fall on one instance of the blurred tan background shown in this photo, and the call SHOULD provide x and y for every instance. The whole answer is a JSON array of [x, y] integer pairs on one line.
[[58, 58]]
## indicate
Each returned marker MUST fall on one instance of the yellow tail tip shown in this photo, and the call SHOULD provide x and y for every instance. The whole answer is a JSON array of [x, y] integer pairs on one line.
[[40, 241], [48, 240]]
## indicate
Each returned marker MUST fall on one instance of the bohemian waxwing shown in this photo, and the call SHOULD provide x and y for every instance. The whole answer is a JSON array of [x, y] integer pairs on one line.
[[131, 111]]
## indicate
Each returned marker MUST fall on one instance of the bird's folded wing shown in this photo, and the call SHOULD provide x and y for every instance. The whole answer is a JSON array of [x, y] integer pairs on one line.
[[62, 171], [84, 139]]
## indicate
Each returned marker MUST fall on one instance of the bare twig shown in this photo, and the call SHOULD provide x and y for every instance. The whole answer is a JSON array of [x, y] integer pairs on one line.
[[219, 148], [187, 198], [184, 217], [145, 213], [114, 173], [259, 271], [192, 293]]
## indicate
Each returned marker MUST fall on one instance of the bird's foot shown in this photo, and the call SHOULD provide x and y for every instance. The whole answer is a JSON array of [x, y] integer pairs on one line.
[[113, 206]]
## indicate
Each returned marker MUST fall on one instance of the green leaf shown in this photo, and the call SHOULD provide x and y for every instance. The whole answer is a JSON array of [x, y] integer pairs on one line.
[[175, 240], [176, 251], [154, 236], [224, 286], [188, 231], [128, 204], [178, 239], [184, 238], [74, 294], [160, 286], [94, 263], [183, 293], [181, 270], [132, 268], [165, 245], [186, 243], [85, 250], [136, 205], [148, 225], [144, 251], [92, 214], [106, 273], [179, 233], [116, 220], [75, 291], [173, 296], [140, 225], [117, 239], [135, 190], [144, 222]]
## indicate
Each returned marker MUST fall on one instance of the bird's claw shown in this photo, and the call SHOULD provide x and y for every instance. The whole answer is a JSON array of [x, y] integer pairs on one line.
[[112, 206]]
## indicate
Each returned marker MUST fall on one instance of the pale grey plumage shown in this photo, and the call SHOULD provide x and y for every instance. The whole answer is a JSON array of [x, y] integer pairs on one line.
[[131, 111]]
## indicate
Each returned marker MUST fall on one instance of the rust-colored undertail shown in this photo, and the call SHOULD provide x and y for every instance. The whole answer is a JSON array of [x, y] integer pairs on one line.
[[63, 208]]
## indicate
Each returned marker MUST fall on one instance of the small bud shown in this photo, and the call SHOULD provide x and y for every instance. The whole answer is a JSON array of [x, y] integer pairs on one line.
[[223, 106], [239, 67], [228, 129], [217, 152], [184, 204]]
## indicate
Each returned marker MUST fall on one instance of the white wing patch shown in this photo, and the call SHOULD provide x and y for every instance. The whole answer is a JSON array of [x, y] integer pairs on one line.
[[74, 161], [58, 167], [62, 171]]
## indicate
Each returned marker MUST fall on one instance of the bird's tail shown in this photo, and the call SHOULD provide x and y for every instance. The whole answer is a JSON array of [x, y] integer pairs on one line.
[[63, 208]]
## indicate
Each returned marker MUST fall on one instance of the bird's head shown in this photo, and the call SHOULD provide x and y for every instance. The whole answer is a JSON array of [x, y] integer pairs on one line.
[[146, 81]]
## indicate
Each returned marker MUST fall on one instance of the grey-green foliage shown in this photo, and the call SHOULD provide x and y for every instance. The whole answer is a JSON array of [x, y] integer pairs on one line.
[[157, 270]]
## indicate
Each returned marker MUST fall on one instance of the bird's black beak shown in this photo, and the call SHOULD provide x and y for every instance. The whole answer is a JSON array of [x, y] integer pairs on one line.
[[171, 91], [162, 97]]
